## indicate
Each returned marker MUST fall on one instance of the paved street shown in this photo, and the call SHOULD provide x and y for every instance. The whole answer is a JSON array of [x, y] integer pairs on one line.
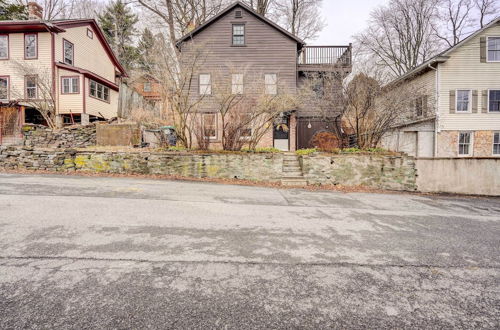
[[87, 252]]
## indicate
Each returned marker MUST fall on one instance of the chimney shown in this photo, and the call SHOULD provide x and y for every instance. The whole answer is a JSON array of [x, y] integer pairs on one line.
[[34, 10]]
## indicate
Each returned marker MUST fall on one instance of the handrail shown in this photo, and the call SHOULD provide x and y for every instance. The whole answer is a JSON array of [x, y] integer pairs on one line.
[[326, 55]]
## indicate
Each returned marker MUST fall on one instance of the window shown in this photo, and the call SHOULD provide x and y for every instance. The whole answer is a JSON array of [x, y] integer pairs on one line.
[[70, 85], [419, 106], [99, 91], [210, 125], [246, 131], [146, 86], [238, 34], [31, 87], [69, 52], [271, 84], [494, 100], [464, 143], [30, 46], [90, 34], [496, 143], [237, 83], [493, 49], [463, 100], [4, 47], [205, 84], [4, 88]]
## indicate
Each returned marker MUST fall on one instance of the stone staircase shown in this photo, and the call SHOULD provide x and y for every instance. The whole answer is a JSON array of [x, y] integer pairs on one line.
[[292, 172]]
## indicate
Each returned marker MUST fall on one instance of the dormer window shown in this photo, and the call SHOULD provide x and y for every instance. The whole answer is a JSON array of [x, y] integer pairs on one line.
[[68, 52], [238, 34], [238, 14], [493, 49]]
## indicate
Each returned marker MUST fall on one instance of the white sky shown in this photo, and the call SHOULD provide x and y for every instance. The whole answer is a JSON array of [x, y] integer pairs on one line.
[[344, 18]]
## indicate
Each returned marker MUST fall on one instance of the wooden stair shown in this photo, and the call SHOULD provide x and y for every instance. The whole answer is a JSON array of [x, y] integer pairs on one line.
[[292, 172]]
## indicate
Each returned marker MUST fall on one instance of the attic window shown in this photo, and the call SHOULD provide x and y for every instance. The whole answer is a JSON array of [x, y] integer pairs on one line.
[[237, 14]]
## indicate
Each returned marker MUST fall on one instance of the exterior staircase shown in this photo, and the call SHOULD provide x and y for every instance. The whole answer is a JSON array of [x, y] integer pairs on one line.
[[292, 172]]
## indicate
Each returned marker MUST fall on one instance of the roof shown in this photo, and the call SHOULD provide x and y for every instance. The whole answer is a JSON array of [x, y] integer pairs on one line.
[[58, 26], [443, 56], [200, 28]]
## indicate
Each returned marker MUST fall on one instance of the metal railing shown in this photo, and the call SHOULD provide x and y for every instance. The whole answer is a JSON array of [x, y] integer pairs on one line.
[[326, 55]]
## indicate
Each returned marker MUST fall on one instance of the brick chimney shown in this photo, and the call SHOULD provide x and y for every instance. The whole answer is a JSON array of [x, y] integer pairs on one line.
[[34, 10]]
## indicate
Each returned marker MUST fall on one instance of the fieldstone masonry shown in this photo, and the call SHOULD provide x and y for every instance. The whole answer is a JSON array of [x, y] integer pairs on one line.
[[77, 136], [378, 171]]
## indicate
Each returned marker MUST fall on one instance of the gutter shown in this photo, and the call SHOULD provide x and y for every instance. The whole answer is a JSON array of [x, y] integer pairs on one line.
[[436, 121]]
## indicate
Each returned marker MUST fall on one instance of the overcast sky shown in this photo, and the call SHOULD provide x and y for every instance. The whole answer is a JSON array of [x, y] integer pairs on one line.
[[344, 18]]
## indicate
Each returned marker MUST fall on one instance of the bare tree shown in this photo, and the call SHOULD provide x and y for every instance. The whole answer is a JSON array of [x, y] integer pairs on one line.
[[400, 35], [301, 17], [53, 9], [262, 7], [454, 18], [486, 8], [38, 92]]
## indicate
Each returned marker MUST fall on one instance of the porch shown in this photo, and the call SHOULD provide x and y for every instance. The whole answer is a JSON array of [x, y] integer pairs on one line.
[[325, 58]]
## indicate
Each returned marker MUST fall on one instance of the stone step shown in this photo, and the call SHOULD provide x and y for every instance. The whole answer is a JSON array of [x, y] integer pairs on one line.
[[294, 182], [291, 162], [292, 169], [292, 175]]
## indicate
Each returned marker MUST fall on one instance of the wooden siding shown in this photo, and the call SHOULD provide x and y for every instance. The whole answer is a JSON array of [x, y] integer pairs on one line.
[[266, 50], [100, 108], [16, 50], [464, 70], [69, 103]]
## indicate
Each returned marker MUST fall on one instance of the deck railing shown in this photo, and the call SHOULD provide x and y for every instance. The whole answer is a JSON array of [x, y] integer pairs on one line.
[[326, 55]]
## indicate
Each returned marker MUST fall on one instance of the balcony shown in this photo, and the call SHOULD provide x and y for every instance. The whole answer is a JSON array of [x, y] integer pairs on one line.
[[325, 58]]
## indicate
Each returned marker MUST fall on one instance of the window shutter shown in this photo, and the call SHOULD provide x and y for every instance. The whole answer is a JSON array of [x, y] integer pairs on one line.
[[484, 101], [474, 101], [452, 101], [482, 45], [425, 106]]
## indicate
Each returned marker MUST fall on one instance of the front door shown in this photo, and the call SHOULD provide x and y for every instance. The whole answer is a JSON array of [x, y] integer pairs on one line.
[[281, 133]]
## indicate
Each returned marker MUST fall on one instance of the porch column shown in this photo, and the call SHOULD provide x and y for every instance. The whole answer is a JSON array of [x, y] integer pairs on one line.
[[85, 119], [293, 132]]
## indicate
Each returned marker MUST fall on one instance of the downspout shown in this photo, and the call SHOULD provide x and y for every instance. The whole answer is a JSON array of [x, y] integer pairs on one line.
[[436, 105]]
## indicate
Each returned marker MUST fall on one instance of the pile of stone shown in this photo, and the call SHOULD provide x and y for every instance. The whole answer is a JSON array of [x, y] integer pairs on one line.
[[76, 136]]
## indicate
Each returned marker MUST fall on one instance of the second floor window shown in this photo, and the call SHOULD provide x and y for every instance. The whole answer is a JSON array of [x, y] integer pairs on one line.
[[271, 83], [147, 86], [493, 49], [68, 52], [494, 100], [4, 88], [4, 47], [30, 46], [205, 84], [70, 85], [99, 91], [31, 87], [237, 83], [463, 100], [238, 34]]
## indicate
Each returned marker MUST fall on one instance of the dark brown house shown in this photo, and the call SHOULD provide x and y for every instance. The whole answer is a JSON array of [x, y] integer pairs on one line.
[[265, 55]]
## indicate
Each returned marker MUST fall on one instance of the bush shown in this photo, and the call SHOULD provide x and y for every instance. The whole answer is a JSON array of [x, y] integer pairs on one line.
[[261, 150], [303, 152], [175, 148]]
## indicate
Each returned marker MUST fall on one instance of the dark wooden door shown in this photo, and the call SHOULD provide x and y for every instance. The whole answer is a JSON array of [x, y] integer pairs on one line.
[[307, 129]]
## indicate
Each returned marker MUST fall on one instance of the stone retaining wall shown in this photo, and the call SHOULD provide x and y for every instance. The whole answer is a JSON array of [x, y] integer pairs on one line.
[[76, 136], [377, 171]]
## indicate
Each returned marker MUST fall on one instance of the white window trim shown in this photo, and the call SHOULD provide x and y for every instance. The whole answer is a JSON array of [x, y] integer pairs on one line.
[[488, 100], [235, 85], [493, 144], [205, 92], [275, 85], [471, 144], [487, 60], [213, 137], [469, 105]]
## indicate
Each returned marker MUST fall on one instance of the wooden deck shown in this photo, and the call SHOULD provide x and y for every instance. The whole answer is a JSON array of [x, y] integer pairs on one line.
[[325, 58]]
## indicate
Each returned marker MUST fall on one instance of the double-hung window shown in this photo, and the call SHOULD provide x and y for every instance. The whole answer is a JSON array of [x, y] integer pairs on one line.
[[4, 47], [209, 125], [419, 106], [30, 46], [31, 87], [70, 85], [205, 84], [4, 88], [493, 49], [99, 91], [494, 100], [271, 83], [463, 100], [238, 34], [496, 143], [465, 143], [237, 83], [68, 52], [146, 86]]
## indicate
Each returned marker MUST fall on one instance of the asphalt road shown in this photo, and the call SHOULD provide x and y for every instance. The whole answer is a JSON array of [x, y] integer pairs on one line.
[[83, 252]]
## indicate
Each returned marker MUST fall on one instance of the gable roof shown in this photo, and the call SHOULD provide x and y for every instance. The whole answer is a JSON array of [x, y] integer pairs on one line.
[[443, 56], [58, 26], [200, 28]]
